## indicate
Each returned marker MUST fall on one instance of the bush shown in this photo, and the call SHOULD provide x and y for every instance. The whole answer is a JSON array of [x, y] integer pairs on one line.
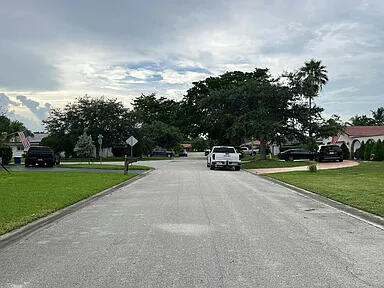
[[367, 151], [379, 156], [5, 154], [359, 153], [312, 167], [345, 150]]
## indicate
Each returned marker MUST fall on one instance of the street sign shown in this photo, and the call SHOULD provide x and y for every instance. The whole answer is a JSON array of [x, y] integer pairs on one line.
[[131, 141], [100, 139]]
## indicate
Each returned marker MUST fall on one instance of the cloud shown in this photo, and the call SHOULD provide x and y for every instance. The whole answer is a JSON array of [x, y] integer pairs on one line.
[[51, 53]]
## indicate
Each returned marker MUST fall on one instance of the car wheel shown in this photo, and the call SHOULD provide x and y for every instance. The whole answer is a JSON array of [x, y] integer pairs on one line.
[[212, 167], [341, 160], [290, 158], [207, 164], [237, 168], [26, 164]]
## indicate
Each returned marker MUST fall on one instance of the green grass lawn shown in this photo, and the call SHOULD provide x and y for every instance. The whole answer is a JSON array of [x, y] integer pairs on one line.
[[26, 196], [360, 186], [112, 159], [249, 163], [105, 166]]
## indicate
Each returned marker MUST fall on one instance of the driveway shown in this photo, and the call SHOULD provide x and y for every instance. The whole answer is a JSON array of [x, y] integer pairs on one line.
[[320, 166], [186, 226]]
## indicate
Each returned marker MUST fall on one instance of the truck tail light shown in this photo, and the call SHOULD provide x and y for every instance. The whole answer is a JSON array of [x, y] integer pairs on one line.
[[340, 151], [213, 156], [53, 155]]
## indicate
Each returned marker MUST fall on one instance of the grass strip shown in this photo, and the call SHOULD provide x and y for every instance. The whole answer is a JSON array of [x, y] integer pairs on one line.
[[105, 166], [361, 186], [27, 196]]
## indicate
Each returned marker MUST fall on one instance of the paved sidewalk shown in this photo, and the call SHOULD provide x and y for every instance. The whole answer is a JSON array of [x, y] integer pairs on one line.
[[320, 166]]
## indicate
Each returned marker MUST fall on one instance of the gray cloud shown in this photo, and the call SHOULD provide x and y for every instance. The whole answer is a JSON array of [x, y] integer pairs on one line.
[[122, 48], [40, 112]]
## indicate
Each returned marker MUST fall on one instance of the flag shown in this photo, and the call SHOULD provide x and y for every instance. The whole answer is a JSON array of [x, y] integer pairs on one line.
[[24, 138], [336, 138]]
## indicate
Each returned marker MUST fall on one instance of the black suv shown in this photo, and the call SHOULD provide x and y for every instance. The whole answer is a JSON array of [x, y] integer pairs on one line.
[[330, 153], [40, 155], [296, 154]]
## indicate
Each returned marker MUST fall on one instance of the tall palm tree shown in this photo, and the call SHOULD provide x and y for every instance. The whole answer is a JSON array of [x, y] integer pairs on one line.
[[313, 76]]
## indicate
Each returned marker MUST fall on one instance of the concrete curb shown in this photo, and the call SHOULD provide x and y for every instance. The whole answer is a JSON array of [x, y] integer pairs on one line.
[[361, 215], [27, 229]]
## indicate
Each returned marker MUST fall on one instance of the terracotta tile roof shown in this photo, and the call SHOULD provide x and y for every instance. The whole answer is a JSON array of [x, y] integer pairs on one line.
[[356, 131]]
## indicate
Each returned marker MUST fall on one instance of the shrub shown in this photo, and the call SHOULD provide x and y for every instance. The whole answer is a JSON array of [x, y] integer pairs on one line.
[[5, 154], [379, 155], [345, 150], [312, 167], [367, 151]]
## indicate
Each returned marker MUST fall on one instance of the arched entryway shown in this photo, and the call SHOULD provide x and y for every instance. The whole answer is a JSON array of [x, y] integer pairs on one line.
[[355, 145]]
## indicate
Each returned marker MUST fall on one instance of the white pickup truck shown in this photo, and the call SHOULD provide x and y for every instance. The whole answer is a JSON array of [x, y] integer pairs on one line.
[[223, 156]]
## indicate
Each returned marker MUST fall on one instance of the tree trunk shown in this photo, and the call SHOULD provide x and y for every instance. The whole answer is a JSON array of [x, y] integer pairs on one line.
[[310, 118], [263, 149]]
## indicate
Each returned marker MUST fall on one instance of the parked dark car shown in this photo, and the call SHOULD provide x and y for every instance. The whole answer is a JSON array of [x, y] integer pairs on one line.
[[330, 153], [296, 154], [159, 152], [41, 155]]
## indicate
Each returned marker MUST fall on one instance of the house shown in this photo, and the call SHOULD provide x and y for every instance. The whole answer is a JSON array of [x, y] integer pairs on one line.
[[353, 136], [17, 146]]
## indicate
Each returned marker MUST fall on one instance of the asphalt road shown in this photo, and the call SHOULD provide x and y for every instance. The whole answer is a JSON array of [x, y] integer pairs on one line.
[[186, 226]]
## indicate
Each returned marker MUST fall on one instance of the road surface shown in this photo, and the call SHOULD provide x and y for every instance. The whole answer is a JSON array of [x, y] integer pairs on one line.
[[186, 226]]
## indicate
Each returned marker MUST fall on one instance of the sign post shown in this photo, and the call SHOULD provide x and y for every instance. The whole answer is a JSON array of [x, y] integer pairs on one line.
[[131, 141], [100, 141]]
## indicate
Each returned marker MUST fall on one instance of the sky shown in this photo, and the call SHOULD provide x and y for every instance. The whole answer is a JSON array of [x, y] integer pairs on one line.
[[54, 51]]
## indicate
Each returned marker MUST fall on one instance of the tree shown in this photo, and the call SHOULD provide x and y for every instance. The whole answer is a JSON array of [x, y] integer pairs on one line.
[[8, 127], [159, 134], [147, 108], [378, 116], [201, 112], [312, 77], [379, 156], [199, 144], [84, 146], [59, 143], [345, 150], [362, 120], [98, 115]]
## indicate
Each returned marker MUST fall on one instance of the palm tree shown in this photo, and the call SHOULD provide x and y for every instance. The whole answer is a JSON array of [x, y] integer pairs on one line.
[[313, 76], [378, 116]]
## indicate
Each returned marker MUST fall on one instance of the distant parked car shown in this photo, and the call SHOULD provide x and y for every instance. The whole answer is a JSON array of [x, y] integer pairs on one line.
[[296, 154], [41, 155], [183, 153], [330, 153], [246, 151], [206, 152], [159, 152]]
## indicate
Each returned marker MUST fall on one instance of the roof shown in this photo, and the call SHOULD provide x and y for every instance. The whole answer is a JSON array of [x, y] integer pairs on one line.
[[364, 131], [187, 145]]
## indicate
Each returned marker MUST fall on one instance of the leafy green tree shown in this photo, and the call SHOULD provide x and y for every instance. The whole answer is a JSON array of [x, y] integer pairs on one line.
[[84, 146], [148, 108], [199, 144], [59, 143], [345, 150], [159, 134], [98, 115], [8, 128]]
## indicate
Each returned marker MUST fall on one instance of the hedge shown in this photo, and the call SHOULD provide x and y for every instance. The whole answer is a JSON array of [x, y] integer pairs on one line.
[[5, 154]]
